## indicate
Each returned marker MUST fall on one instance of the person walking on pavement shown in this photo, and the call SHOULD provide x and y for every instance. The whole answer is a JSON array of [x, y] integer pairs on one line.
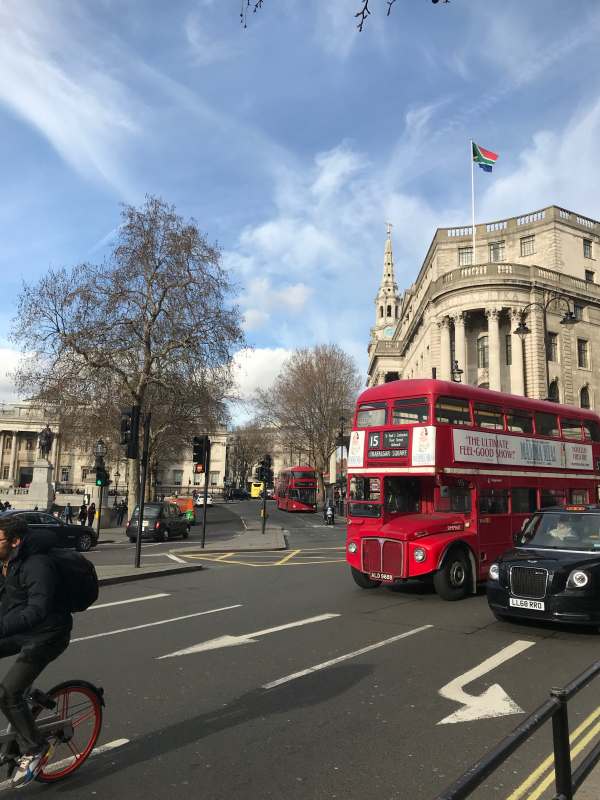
[[91, 514], [35, 625], [121, 512], [82, 516], [69, 514]]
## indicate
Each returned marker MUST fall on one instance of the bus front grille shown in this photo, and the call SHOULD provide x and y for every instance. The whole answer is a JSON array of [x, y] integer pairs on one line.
[[528, 582], [382, 555]]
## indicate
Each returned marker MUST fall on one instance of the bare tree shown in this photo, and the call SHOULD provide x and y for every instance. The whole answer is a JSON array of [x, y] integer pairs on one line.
[[314, 388], [248, 444], [150, 327]]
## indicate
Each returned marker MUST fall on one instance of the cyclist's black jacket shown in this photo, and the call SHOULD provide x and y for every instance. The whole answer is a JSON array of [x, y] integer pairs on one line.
[[30, 606]]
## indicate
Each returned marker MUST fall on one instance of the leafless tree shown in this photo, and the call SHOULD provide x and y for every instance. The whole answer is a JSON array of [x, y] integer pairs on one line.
[[150, 327], [249, 442], [315, 387]]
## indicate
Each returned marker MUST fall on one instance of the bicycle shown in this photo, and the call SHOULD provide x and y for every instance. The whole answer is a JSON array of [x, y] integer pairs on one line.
[[70, 715]]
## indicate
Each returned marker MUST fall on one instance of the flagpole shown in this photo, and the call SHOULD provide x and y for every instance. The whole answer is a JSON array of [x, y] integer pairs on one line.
[[472, 199]]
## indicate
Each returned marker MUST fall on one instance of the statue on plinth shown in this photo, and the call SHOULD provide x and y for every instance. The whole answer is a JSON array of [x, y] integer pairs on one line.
[[46, 437]]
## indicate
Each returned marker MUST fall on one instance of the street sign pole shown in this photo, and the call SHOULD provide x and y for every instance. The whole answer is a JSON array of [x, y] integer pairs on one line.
[[138, 543], [206, 473]]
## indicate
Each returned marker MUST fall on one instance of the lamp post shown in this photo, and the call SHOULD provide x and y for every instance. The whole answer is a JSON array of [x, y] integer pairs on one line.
[[342, 422], [99, 452], [456, 372], [522, 329], [117, 476]]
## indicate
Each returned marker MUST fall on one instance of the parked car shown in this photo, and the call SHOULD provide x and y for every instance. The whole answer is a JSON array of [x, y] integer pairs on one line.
[[81, 537], [240, 494], [553, 572], [161, 521], [200, 500]]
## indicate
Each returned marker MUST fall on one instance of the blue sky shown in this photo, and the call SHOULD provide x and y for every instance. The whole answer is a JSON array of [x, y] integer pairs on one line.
[[291, 142]]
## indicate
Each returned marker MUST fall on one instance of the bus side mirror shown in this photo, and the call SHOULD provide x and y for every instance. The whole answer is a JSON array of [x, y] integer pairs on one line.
[[524, 525]]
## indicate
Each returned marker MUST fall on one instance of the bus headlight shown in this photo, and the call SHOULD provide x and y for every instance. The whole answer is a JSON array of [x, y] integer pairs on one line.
[[578, 579], [352, 547], [419, 554], [494, 573]]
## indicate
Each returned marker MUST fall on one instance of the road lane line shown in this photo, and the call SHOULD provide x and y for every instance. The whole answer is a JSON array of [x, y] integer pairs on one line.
[[153, 624], [132, 600], [519, 792], [346, 657], [175, 558], [224, 556], [287, 557]]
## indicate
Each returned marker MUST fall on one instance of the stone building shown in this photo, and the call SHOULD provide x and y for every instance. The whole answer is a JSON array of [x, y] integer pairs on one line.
[[459, 318]]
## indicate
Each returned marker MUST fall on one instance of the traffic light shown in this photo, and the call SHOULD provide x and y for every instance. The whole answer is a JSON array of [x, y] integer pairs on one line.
[[101, 476], [130, 426], [264, 471], [200, 449]]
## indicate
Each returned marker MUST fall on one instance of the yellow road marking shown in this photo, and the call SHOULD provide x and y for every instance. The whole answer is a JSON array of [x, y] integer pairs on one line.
[[223, 557], [549, 761], [290, 555]]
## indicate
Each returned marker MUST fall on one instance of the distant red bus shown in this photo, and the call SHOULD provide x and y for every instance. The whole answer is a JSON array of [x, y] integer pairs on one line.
[[441, 476], [296, 489]]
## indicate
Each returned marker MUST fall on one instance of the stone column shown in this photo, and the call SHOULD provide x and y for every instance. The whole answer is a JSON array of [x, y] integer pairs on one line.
[[493, 317], [444, 326], [13, 456], [2, 439], [460, 351], [517, 371]]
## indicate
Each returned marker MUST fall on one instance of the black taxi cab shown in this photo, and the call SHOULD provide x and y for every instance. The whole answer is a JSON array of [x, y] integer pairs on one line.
[[553, 572]]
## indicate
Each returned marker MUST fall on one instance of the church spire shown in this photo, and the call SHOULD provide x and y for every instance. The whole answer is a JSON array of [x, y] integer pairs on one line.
[[387, 302]]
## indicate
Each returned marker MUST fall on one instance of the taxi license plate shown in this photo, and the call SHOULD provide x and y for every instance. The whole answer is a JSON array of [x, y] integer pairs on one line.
[[381, 576], [532, 605]]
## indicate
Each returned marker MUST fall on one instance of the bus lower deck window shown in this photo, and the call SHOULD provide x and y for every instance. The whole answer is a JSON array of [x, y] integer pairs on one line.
[[523, 500], [493, 501], [552, 497]]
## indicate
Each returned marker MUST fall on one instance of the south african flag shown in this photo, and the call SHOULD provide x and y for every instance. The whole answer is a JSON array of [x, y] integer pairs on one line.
[[485, 158]]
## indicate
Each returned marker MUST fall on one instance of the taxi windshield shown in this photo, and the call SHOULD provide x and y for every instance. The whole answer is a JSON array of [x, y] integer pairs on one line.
[[563, 531]]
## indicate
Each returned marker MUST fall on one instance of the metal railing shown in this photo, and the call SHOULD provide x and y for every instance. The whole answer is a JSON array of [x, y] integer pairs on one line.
[[567, 781]]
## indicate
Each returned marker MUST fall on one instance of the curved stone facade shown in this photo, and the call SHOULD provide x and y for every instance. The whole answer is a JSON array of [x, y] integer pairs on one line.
[[462, 311]]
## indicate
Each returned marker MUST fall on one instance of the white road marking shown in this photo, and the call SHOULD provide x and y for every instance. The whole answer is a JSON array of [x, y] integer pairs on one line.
[[152, 624], [231, 641], [345, 657], [494, 702], [132, 600], [176, 558]]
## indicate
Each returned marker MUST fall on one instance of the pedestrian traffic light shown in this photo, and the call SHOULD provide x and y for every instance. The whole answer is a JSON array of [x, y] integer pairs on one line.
[[130, 427], [200, 449]]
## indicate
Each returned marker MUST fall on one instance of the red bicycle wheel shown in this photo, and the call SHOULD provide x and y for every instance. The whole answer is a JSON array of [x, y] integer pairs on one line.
[[80, 702]]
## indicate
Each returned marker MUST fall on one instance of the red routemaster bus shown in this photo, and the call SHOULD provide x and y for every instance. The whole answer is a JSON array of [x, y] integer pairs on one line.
[[296, 489], [442, 475]]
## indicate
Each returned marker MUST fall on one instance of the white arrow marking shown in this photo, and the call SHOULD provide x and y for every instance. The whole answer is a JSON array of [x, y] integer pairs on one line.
[[232, 641], [494, 702]]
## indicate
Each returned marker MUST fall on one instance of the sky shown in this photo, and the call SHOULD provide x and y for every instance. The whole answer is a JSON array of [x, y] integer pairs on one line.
[[291, 141]]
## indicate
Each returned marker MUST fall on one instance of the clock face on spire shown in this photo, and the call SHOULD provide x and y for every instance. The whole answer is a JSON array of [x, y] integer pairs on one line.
[[388, 331]]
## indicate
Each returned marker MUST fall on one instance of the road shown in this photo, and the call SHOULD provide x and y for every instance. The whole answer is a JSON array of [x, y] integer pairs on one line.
[[314, 688]]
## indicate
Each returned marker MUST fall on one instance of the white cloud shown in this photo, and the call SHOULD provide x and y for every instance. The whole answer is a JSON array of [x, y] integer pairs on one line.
[[260, 299], [293, 244], [9, 359], [254, 319], [258, 368], [335, 168], [206, 48]]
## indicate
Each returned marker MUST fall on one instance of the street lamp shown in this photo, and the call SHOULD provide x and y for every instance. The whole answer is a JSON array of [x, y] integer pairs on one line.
[[456, 372], [100, 449], [342, 422], [522, 328], [117, 476]]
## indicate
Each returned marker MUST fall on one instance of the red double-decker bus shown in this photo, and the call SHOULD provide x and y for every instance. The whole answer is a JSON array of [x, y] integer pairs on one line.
[[296, 489], [442, 475]]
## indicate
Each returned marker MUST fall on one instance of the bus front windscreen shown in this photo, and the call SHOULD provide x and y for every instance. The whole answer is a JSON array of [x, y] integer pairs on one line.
[[304, 476], [365, 497], [306, 496]]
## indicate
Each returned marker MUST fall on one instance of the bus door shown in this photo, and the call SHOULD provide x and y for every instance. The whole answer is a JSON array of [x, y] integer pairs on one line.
[[494, 523]]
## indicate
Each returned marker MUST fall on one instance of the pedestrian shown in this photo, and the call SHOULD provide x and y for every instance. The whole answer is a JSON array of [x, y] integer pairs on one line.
[[82, 516], [122, 509], [91, 514], [69, 514]]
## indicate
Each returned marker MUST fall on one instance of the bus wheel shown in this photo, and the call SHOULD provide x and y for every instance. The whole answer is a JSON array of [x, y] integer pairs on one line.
[[363, 580], [452, 580]]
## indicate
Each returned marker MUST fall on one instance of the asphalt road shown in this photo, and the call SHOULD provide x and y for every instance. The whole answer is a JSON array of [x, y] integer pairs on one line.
[[238, 721]]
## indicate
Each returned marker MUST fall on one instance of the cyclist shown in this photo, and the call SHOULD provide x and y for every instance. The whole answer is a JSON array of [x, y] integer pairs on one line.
[[33, 624]]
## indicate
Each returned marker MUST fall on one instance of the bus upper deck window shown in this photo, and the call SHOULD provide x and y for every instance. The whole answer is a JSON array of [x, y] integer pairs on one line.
[[546, 424], [371, 414], [411, 411], [571, 428], [488, 417], [591, 430], [453, 411], [520, 422]]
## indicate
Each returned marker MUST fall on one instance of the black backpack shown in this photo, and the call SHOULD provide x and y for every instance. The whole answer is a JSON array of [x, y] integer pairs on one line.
[[78, 579]]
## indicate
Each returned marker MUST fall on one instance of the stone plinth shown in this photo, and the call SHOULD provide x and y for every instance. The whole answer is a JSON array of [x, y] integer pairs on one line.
[[40, 489]]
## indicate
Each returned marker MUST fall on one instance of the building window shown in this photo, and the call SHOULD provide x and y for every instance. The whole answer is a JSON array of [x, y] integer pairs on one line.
[[496, 251], [65, 474], [583, 356], [381, 311], [589, 275], [85, 471], [214, 478], [389, 311], [28, 443], [553, 392], [177, 477], [8, 442], [584, 397], [578, 311], [553, 347], [527, 245], [483, 360], [465, 256], [5, 473], [508, 340], [587, 248]]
